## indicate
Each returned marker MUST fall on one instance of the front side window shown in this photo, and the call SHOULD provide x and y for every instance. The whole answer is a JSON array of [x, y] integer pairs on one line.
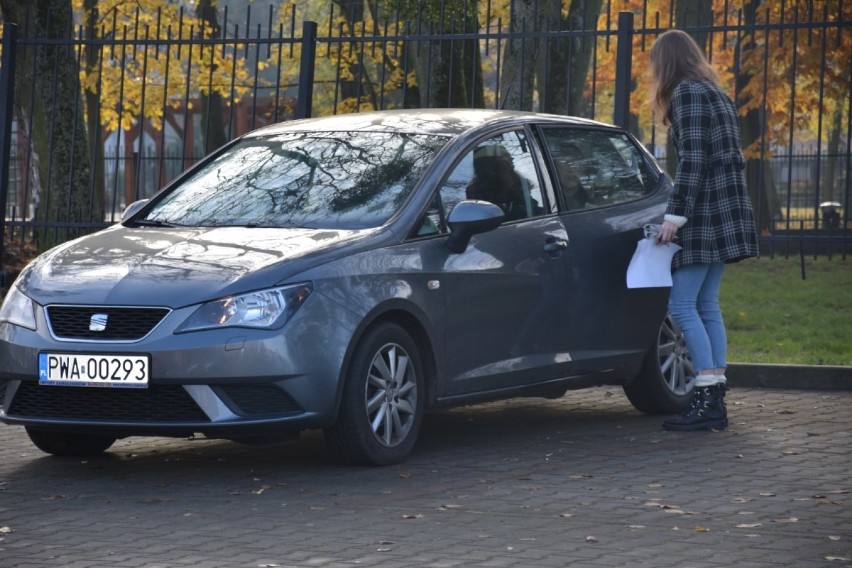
[[597, 168], [500, 170], [337, 180]]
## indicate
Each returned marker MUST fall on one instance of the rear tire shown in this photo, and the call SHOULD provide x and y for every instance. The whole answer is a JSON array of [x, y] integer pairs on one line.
[[382, 405], [667, 379], [69, 444]]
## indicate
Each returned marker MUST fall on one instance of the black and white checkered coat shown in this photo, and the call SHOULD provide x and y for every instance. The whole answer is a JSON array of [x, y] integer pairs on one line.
[[710, 189]]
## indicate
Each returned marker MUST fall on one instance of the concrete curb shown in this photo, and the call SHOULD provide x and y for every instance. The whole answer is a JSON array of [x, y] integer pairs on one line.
[[801, 377]]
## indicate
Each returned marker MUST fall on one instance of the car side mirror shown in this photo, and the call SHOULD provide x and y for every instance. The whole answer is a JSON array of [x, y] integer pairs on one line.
[[131, 209], [469, 218]]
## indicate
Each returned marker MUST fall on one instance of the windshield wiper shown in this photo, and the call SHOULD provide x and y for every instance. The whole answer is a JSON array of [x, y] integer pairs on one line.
[[152, 223]]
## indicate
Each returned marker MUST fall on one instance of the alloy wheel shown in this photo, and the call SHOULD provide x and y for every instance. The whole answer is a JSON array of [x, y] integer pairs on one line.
[[391, 395], [675, 364]]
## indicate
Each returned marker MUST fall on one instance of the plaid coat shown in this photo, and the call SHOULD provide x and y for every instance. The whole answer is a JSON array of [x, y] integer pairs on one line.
[[710, 189]]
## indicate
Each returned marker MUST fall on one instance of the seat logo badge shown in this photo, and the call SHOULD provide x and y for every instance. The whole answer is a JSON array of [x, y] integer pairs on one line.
[[98, 322]]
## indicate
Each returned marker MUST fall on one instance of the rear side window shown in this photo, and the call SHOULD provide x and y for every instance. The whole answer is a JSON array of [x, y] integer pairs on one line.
[[596, 168]]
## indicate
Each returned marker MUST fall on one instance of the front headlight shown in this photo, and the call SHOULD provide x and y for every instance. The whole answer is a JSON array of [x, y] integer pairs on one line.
[[265, 309], [18, 309]]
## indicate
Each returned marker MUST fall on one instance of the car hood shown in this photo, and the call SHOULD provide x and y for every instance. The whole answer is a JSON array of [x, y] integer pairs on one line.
[[171, 267]]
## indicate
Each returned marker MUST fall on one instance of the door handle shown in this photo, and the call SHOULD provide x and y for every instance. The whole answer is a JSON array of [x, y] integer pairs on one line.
[[555, 245]]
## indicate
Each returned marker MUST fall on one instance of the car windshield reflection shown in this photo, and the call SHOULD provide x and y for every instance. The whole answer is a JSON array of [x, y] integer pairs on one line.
[[338, 180]]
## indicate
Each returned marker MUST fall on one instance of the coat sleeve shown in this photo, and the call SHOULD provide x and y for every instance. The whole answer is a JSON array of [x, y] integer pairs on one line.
[[691, 121]]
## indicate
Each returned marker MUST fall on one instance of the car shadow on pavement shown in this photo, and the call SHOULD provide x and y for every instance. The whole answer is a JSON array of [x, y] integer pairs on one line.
[[524, 428]]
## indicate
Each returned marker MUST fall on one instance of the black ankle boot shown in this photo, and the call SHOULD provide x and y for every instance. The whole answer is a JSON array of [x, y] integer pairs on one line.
[[706, 411], [721, 389]]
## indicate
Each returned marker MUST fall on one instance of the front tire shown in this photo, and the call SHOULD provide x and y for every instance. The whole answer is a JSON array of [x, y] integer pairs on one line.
[[69, 444], [382, 405], [667, 379]]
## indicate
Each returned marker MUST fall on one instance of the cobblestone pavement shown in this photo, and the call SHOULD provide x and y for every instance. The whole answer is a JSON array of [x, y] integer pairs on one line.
[[580, 481]]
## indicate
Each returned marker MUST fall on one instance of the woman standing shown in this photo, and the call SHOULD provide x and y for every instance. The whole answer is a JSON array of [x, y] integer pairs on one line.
[[708, 212]]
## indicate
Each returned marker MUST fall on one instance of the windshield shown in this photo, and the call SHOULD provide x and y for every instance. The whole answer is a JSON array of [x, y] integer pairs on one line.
[[338, 180]]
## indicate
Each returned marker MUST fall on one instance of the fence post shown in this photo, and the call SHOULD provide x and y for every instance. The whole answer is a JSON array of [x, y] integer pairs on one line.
[[306, 70], [623, 70], [7, 92]]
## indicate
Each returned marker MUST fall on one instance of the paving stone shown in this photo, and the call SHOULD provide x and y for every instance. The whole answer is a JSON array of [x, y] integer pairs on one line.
[[583, 480]]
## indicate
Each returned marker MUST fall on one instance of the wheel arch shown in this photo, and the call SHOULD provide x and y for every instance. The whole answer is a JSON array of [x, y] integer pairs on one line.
[[409, 317]]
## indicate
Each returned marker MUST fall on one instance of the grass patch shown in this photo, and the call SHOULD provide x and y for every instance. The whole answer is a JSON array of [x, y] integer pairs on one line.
[[774, 316]]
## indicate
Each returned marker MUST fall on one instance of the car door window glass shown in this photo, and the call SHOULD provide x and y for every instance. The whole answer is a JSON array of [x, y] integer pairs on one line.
[[500, 170], [433, 221], [597, 168]]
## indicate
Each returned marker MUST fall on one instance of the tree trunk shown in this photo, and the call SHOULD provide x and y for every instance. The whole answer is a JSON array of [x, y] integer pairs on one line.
[[569, 61], [695, 14], [353, 90], [48, 77], [758, 173], [92, 61], [829, 191], [520, 60], [449, 72], [690, 14], [212, 125]]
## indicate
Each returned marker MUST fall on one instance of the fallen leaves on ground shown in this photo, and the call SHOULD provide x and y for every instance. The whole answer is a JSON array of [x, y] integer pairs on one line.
[[53, 498]]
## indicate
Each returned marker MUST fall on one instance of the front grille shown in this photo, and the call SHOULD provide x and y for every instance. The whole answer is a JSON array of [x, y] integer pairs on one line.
[[248, 400], [158, 403], [122, 324]]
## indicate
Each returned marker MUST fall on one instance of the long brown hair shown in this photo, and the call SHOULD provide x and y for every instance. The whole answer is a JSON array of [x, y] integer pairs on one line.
[[675, 57]]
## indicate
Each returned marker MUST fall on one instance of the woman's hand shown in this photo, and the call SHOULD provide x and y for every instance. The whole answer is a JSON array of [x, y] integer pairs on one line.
[[667, 233]]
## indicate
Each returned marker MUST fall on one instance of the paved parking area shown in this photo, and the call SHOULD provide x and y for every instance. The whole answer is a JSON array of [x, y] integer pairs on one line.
[[580, 481]]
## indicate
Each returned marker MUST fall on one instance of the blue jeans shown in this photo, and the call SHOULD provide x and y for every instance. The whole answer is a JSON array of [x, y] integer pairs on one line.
[[694, 305]]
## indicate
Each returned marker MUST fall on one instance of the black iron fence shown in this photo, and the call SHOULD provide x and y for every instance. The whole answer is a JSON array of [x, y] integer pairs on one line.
[[99, 114]]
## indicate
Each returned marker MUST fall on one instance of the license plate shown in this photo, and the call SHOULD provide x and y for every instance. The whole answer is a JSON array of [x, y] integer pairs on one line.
[[85, 370]]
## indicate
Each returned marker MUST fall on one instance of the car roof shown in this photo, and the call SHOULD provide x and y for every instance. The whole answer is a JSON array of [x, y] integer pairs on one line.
[[445, 122]]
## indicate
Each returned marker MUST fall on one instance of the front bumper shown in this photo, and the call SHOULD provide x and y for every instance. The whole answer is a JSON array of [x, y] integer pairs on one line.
[[227, 383]]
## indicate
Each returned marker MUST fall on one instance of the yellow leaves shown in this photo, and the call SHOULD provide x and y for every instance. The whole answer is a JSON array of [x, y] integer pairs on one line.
[[150, 66]]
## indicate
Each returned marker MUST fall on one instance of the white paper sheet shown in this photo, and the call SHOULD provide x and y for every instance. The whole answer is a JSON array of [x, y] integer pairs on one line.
[[651, 265]]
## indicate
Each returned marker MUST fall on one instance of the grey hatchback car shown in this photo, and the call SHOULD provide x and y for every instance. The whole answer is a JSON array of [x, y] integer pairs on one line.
[[348, 273]]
